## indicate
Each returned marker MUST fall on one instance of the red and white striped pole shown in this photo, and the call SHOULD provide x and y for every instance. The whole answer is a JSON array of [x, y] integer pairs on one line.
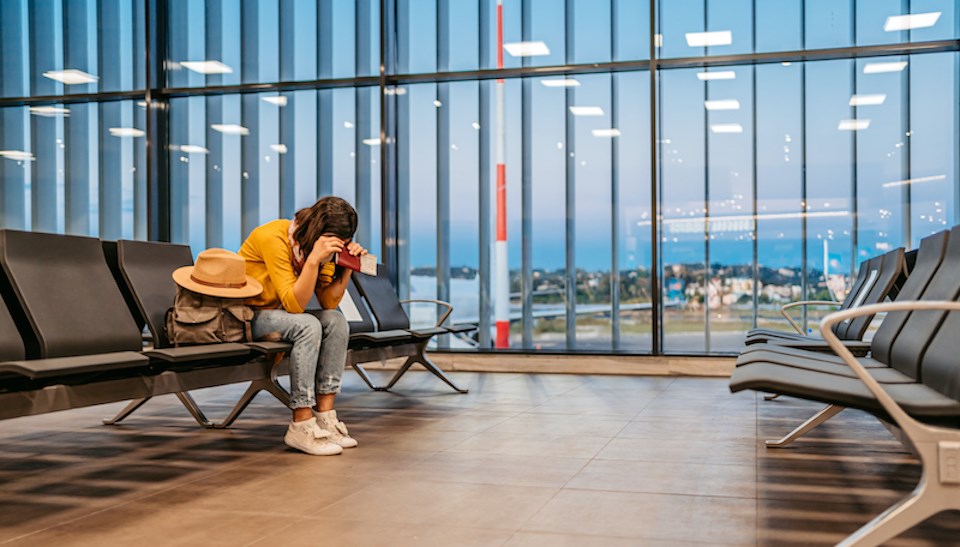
[[502, 282]]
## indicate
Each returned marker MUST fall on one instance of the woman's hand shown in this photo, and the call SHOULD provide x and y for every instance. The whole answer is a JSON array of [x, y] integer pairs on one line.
[[324, 248], [356, 249]]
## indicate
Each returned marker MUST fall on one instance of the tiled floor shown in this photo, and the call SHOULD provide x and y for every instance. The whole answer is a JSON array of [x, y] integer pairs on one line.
[[521, 460]]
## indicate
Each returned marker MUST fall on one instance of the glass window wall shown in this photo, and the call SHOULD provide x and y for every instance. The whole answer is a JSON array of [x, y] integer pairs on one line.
[[608, 201]]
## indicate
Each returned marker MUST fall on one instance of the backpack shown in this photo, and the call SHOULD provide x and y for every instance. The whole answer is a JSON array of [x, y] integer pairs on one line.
[[199, 319]]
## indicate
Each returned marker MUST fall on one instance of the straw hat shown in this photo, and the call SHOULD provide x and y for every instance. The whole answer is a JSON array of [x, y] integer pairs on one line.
[[218, 272]]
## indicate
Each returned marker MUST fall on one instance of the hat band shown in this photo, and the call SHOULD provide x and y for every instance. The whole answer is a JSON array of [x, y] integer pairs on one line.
[[219, 285]]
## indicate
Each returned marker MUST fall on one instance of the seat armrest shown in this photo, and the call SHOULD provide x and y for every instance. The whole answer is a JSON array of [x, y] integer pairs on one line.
[[269, 347], [914, 429], [804, 303], [443, 317], [205, 352]]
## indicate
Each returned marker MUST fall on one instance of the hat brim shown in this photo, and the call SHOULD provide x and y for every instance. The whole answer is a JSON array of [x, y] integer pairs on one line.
[[182, 277]]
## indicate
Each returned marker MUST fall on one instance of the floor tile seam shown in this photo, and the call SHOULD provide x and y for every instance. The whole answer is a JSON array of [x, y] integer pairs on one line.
[[499, 456], [564, 487], [275, 532], [460, 442], [343, 499], [678, 462], [664, 437], [644, 492], [608, 536], [643, 536]]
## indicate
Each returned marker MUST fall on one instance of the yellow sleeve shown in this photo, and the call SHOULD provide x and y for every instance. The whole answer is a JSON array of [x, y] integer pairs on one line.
[[275, 252], [328, 301]]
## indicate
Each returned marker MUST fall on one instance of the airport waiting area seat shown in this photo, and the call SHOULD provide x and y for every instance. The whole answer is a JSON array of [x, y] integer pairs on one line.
[[388, 310], [877, 279], [146, 269], [71, 331], [81, 343], [910, 380]]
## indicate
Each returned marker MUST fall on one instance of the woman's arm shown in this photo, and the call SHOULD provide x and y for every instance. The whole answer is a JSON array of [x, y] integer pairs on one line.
[[306, 283], [329, 295]]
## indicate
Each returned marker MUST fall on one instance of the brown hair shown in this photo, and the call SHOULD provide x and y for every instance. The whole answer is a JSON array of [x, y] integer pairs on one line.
[[329, 215]]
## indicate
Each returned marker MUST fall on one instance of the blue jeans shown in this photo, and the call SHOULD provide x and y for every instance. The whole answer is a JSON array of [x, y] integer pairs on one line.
[[319, 350]]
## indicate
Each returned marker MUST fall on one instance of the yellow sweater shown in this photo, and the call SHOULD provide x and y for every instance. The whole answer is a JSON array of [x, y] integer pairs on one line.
[[270, 261]]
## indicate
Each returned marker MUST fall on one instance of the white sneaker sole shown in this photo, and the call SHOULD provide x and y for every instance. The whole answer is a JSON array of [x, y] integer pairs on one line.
[[320, 449], [347, 443]]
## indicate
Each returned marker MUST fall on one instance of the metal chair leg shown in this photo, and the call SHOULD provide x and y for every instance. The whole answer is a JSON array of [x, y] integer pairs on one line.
[[193, 408], [829, 412], [403, 369], [362, 372], [127, 410], [421, 357], [938, 490], [270, 385], [432, 367]]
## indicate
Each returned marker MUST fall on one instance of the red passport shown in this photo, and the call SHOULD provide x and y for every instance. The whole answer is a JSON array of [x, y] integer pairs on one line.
[[366, 264]]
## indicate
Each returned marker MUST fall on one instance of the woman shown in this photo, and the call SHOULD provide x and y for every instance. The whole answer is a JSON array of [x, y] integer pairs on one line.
[[294, 260]]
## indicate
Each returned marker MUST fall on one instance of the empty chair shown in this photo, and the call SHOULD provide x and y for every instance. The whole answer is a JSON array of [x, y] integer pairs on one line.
[[388, 310], [927, 410], [930, 257], [878, 278], [66, 306]]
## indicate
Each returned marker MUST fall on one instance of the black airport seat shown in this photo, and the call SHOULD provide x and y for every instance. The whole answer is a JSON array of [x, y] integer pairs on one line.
[[928, 259], [66, 306], [387, 308], [920, 343], [878, 278]]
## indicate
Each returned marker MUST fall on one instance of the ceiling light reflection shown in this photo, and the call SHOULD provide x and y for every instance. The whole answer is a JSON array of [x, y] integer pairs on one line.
[[868, 100], [17, 155], [560, 82], [278, 100], [207, 67], [722, 104], [527, 49], [715, 38], [230, 129], [726, 128], [191, 149], [853, 125], [126, 132], [610, 133], [914, 181], [912, 21], [586, 111], [49, 111], [879, 68], [717, 75], [70, 76]]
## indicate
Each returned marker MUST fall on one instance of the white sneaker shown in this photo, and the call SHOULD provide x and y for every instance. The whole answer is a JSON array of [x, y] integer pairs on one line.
[[338, 430], [307, 436]]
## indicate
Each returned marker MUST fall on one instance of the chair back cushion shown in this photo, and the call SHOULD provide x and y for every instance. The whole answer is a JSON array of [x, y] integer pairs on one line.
[[383, 300], [67, 294], [890, 268], [147, 267], [926, 263], [11, 344], [907, 350]]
